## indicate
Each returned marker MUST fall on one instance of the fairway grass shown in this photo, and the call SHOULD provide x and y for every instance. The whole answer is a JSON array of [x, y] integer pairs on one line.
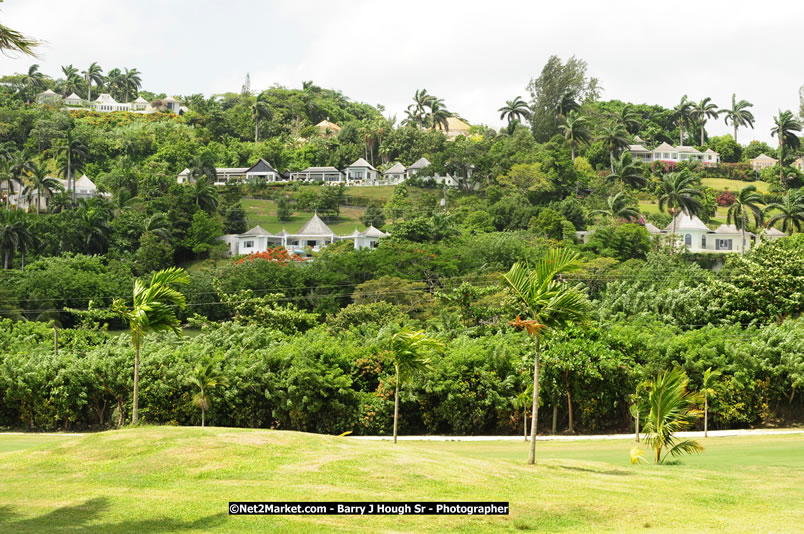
[[722, 184], [170, 479]]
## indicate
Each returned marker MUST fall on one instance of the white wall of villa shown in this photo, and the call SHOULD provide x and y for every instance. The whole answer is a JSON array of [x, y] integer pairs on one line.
[[676, 154]]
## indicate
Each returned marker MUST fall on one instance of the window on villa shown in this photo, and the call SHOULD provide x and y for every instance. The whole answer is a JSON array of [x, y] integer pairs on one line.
[[688, 240], [675, 155], [703, 241], [249, 244]]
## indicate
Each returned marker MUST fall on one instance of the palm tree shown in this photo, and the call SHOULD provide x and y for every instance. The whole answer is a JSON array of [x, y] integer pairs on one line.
[[670, 409], [14, 234], [790, 211], [629, 118], [439, 114], [114, 82], [74, 152], [8, 177], [681, 115], [205, 195], [13, 41], [738, 114], [551, 303], [43, 185], [131, 82], [515, 110], [408, 354], [679, 194], [72, 79], [93, 74], [785, 128], [576, 131], [205, 377], [628, 172], [619, 207], [33, 81], [60, 202], [202, 166], [567, 103], [18, 166], [153, 310], [158, 224], [93, 223], [747, 201], [614, 139], [259, 110], [703, 110], [707, 390]]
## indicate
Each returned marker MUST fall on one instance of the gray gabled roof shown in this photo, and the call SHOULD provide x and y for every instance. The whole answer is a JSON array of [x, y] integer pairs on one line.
[[320, 169], [764, 157], [315, 227], [261, 166], [257, 230], [397, 168], [651, 228], [140, 100], [73, 96], [420, 163], [710, 151], [773, 232], [637, 148], [363, 164], [373, 232], [85, 182], [688, 149], [727, 229], [664, 146]]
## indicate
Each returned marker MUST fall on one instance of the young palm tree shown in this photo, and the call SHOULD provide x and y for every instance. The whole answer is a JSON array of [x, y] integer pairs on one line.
[[33, 81], [567, 103], [747, 201], [408, 354], [206, 377], [93, 223], [551, 303], [619, 207], [738, 114], [703, 110], [515, 110], [70, 77], [15, 234], [43, 185], [670, 409], [629, 118], [790, 211], [678, 193], [614, 139], [627, 172], [785, 128], [576, 131], [681, 115], [707, 391], [259, 110], [153, 310], [93, 74]]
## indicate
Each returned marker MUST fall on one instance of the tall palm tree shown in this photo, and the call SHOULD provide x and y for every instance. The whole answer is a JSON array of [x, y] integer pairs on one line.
[[19, 164], [790, 211], [670, 409], [576, 131], [114, 82], [74, 152], [11, 181], [153, 309], [93, 223], [515, 110], [43, 185], [13, 41], [614, 139], [409, 350], [619, 206], [14, 234], [259, 110], [785, 128], [131, 82], [205, 376], [93, 74], [702, 111], [747, 202], [33, 81], [678, 193], [628, 172], [72, 79], [681, 116], [551, 303], [205, 195], [439, 114], [629, 118], [567, 103], [738, 114], [708, 390]]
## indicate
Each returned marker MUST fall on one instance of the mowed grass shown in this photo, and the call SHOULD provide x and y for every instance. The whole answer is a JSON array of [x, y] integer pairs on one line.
[[721, 184], [263, 212], [169, 479]]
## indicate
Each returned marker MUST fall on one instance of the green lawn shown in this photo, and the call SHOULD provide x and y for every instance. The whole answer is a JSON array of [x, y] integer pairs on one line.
[[171, 479], [263, 212], [721, 184]]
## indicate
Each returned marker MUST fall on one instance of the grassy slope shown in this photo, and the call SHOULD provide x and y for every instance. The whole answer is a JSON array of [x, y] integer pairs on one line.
[[721, 184], [180, 479]]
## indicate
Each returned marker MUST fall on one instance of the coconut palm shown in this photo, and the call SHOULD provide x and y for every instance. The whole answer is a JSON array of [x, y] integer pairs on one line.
[[576, 131], [551, 303], [153, 309], [259, 110], [93, 74], [73, 152], [439, 114], [409, 350], [205, 376], [678, 193], [627, 172], [40, 183], [19, 164], [619, 206], [681, 116], [33, 81], [738, 114], [72, 79], [567, 103], [614, 139], [131, 82], [114, 82], [746, 202], [629, 118], [707, 391], [15, 234], [785, 128], [702, 111], [515, 110], [60, 202], [790, 211], [670, 409], [13, 41]]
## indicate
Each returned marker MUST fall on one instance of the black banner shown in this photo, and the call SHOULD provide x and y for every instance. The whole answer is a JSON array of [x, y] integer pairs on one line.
[[367, 508]]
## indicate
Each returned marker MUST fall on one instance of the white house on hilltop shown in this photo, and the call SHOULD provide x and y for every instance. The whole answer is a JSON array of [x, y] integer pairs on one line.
[[361, 171], [763, 162], [667, 152]]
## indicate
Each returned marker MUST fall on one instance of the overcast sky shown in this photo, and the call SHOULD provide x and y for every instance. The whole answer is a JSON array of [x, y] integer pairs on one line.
[[474, 55]]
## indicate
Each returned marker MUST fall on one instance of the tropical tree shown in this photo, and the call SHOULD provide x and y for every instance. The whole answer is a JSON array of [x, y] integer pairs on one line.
[[681, 116], [409, 351], [153, 309], [619, 206], [551, 303], [416, 113], [568, 102], [746, 202], [114, 82], [703, 110], [678, 193], [10, 179], [439, 114], [785, 128], [93, 74], [614, 138], [72, 79], [43, 185], [33, 81], [707, 390], [13, 41], [670, 409], [576, 131], [790, 211], [514, 110], [629, 118], [204, 194], [93, 224], [159, 224], [73, 152], [738, 114], [627, 172], [131, 81], [259, 110], [202, 166], [205, 376], [15, 235]]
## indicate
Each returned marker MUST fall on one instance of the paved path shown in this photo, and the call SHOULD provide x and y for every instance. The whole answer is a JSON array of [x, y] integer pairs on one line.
[[712, 434]]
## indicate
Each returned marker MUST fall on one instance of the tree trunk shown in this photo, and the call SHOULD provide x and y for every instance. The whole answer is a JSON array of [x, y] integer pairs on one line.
[[535, 412], [611, 158], [673, 237], [681, 134], [572, 150], [706, 416], [119, 413], [742, 245], [636, 425], [735, 132], [702, 134], [38, 200], [396, 403], [569, 401], [5, 260], [525, 422], [135, 414], [555, 417], [202, 418], [256, 130], [781, 159]]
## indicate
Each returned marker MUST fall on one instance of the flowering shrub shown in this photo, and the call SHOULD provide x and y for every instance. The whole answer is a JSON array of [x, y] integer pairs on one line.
[[725, 199], [278, 254]]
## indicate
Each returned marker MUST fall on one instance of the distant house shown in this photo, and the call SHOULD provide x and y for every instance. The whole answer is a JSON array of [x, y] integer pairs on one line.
[[368, 238], [262, 171], [455, 127], [74, 100], [416, 167], [763, 162], [396, 174], [140, 104], [48, 97], [697, 237], [318, 174], [675, 154], [327, 128], [84, 189], [361, 171]]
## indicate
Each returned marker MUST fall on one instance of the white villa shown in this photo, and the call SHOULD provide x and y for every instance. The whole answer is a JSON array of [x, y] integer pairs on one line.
[[361, 171], [84, 188], [666, 152], [106, 104], [763, 162], [314, 234], [396, 174], [260, 171], [318, 174]]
